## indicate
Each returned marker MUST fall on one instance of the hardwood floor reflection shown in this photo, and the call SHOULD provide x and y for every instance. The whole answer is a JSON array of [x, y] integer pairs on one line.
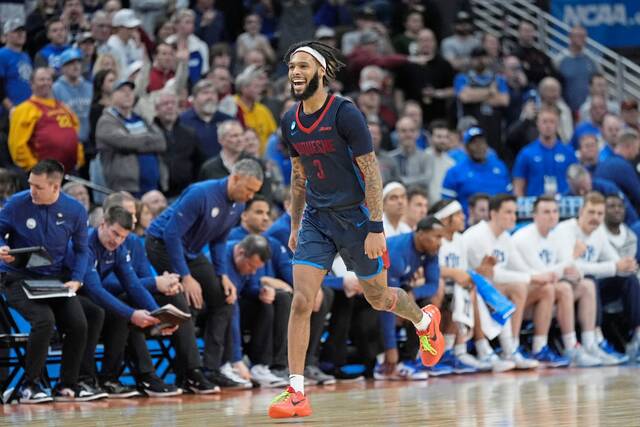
[[574, 397]]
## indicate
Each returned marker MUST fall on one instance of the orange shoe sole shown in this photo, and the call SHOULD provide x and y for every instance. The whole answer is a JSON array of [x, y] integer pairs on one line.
[[290, 411], [437, 340]]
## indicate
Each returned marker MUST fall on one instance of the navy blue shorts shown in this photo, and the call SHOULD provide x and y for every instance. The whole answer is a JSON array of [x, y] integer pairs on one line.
[[324, 233]]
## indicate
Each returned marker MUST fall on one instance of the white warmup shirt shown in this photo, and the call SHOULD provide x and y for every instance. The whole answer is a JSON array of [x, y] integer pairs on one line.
[[540, 254], [480, 241], [599, 260]]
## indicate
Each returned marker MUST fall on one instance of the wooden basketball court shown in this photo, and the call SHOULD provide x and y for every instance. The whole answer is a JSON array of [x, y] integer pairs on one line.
[[567, 397]]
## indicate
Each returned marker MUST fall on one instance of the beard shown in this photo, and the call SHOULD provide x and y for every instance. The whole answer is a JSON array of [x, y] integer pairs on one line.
[[308, 92]]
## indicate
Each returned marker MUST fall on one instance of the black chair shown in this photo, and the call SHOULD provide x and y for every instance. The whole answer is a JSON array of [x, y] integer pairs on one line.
[[13, 349]]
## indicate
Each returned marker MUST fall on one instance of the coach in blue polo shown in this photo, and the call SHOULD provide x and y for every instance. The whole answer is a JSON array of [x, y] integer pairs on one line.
[[203, 215], [541, 166]]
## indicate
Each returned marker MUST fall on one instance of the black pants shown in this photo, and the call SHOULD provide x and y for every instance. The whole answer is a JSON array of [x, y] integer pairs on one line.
[[44, 315], [216, 311], [626, 288], [316, 329], [352, 318], [95, 320], [118, 333], [268, 326]]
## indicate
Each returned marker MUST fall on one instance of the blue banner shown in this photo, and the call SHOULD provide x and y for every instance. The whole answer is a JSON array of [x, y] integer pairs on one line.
[[614, 23]]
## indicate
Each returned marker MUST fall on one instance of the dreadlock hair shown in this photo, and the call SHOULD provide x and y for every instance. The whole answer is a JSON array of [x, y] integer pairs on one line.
[[330, 54]]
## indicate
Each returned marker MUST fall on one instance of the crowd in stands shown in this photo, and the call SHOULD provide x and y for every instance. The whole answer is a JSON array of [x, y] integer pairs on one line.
[[174, 107]]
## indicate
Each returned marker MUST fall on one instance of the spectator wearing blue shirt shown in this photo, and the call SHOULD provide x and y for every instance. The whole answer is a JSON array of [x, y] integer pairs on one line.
[[409, 252], [203, 215], [46, 217], [203, 117], [580, 183], [72, 89], [611, 127], [593, 123], [476, 173], [482, 94], [15, 65], [588, 151], [576, 69], [541, 166], [619, 168], [50, 54]]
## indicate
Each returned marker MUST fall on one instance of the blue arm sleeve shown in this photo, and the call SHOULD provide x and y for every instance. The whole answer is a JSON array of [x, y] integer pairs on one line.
[[6, 221], [281, 262], [353, 128], [459, 83], [449, 185], [218, 250], [186, 212], [431, 277], [132, 286], [388, 322], [98, 294], [520, 166], [333, 282], [112, 284], [80, 247], [236, 335]]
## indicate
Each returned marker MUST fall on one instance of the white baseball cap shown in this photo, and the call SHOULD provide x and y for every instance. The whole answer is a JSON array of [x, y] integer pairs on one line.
[[125, 18]]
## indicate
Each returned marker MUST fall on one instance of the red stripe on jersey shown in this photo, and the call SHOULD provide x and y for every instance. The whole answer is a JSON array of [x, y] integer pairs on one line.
[[317, 122]]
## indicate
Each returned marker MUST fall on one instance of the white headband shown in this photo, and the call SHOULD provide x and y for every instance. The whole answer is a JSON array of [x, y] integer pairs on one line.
[[311, 51], [448, 210], [390, 187]]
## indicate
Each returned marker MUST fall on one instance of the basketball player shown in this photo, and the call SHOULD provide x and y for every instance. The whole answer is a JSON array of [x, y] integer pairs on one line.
[[335, 172]]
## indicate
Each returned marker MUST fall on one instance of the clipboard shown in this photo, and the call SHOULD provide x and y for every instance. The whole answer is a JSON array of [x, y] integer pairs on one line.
[[31, 257]]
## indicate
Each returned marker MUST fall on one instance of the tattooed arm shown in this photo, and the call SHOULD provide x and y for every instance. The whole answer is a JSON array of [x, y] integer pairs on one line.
[[373, 184], [375, 244], [298, 199]]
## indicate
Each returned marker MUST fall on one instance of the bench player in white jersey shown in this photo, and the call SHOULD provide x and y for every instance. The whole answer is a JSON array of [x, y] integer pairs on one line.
[[453, 268], [510, 275], [540, 253], [598, 261]]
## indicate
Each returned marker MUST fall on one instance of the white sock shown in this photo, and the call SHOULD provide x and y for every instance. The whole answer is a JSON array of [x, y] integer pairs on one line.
[[297, 382], [506, 340], [449, 341], [599, 336], [539, 342], [516, 342], [588, 339], [460, 349], [424, 322], [569, 340], [483, 348]]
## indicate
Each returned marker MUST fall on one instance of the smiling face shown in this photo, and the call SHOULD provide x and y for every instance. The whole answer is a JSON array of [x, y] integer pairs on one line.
[[305, 75]]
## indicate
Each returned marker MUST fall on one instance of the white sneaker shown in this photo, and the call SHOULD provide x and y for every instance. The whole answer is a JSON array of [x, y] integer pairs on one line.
[[469, 359], [605, 358], [497, 364], [523, 362], [580, 358], [228, 371], [263, 375], [403, 372]]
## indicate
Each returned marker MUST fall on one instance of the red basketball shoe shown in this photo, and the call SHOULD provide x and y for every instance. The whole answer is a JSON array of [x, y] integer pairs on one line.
[[431, 339], [290, 403]]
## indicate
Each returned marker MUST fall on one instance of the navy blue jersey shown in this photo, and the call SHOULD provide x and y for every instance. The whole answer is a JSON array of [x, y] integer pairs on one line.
[[60, 227], [202, 215], [327, 143]]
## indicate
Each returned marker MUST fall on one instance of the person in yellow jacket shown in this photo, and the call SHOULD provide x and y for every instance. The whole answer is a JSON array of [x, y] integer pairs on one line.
[[44, 128], [252, 113]]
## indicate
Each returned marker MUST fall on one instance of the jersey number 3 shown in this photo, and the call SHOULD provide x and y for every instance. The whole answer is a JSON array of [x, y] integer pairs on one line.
[[320, 170]]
